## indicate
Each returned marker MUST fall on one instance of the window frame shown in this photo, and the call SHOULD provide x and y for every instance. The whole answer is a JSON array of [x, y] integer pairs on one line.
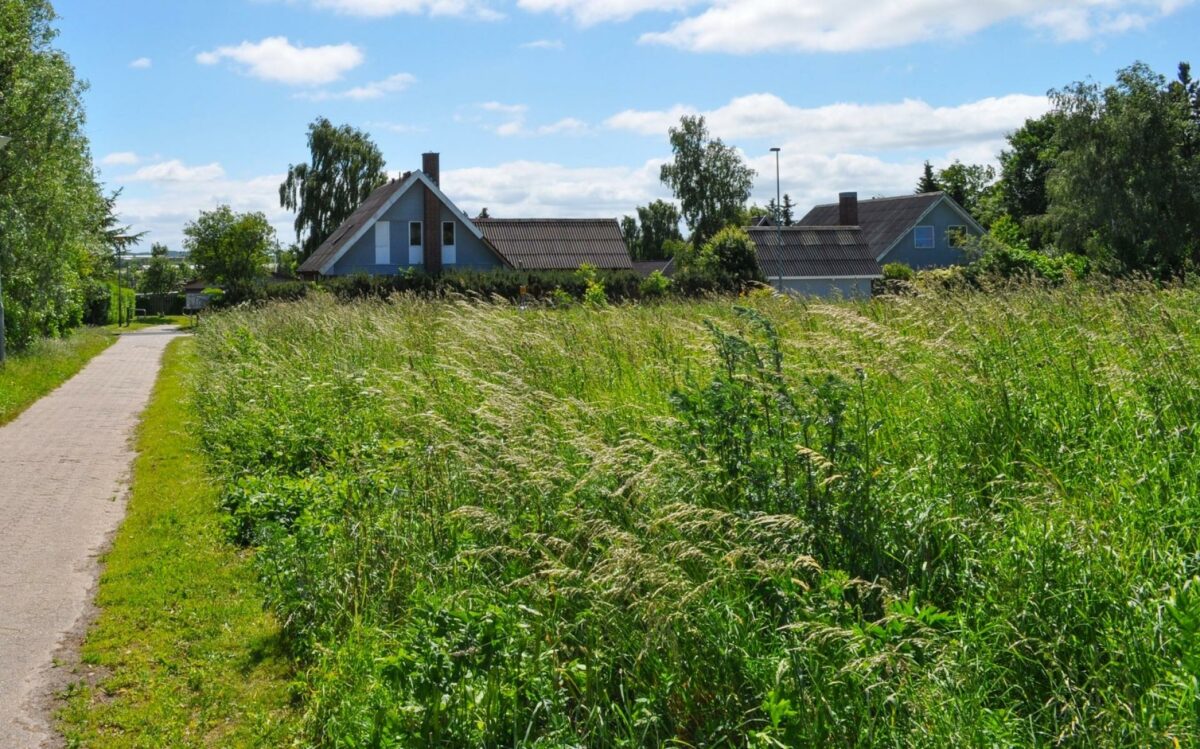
[[453, 234], [917, 245], [962, 232], [420, 235], [383, 242]]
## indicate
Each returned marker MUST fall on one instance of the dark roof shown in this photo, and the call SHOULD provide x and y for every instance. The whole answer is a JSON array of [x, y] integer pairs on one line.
[[646, 267], [883, 220], [360, 218], [814, 252], [557, 243]]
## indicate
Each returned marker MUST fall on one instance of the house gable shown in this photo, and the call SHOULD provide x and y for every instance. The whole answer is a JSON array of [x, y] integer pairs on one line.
[[357, 247], [940, 218]]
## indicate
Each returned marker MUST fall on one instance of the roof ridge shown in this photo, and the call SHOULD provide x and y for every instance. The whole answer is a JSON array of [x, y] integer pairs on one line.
[[914, 196], [797, 227], [545, 220]]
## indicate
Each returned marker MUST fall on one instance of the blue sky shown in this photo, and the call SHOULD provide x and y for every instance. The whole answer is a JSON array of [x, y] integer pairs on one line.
[[560, 107]]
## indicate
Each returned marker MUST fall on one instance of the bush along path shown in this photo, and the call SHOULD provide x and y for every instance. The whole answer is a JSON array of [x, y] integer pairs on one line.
[[63, 464], [182, 654]]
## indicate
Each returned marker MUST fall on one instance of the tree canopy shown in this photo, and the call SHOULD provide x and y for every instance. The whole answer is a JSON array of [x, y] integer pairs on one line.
[[344, 167], [1125, 186], [928, 182], [51, 206], [709, 179], [660, 227], [230, 249]]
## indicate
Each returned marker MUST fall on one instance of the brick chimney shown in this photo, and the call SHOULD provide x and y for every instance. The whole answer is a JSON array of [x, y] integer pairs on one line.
[[431, 164], [848, 209]]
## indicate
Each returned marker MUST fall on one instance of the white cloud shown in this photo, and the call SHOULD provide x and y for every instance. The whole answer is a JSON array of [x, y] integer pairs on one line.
[[508, 120], [867, 127], [555, 44], [588, 12], [164, 209], [142, 63], [565, 126], [748, 26], [176, 171], [376, 90], [278, 60], [400, 128], [382, 8], [509, 109], [120, 158], [532, 189]]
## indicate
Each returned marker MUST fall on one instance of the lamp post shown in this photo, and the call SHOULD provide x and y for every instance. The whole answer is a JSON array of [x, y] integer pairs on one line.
[[3, 142], [778, 216]]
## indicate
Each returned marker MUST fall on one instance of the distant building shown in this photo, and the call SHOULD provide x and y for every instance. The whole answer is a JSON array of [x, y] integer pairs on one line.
[[921, 231], [819, 261], [411, 223]]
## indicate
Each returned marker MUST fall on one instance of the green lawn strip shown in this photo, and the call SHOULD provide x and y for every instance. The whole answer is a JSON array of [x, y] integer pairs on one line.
[[183, 653], [44, 366]]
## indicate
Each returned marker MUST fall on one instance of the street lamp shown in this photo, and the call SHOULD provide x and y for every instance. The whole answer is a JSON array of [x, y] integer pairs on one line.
[[4, 140], [778, 217]]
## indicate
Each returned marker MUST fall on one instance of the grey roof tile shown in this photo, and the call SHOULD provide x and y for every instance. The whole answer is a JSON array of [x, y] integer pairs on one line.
[[557, 243], [814, 252], [883, 220]]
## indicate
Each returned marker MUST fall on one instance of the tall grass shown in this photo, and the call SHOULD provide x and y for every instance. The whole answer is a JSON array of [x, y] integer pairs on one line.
[[966, 520]]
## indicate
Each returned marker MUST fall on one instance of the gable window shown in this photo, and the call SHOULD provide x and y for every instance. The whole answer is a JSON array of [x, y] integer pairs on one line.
[[923, 238], [449, 251], [416, 255], [383, 243], [956, 236]]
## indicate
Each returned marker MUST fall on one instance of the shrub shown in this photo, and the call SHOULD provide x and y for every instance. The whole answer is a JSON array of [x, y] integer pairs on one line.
[[898, 272], [655, 286]]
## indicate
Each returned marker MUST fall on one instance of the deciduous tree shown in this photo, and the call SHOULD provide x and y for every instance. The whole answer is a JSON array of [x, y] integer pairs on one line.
[[161, 276], [1125, 190], [709, 179], [659, 225], [51, 206], [230, 249], [344, 167]]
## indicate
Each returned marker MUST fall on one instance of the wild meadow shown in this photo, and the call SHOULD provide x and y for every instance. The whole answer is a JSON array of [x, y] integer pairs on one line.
[[959, 520]]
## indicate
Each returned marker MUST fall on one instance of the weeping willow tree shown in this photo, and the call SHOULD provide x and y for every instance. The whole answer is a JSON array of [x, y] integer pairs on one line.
[[345, 166], [51, 206]]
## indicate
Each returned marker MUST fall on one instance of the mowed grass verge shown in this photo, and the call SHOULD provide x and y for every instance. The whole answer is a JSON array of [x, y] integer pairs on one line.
[[29, 375], [183, 654]]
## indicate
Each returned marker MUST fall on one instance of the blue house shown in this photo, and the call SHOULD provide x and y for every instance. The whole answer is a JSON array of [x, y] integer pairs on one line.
[[411, 223], [921, 231]]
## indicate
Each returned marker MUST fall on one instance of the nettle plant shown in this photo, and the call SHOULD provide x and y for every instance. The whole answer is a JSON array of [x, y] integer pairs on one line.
[[768, 447]]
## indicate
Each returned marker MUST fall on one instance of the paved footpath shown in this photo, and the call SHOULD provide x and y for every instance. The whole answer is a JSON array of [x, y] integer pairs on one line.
[[64, 469]]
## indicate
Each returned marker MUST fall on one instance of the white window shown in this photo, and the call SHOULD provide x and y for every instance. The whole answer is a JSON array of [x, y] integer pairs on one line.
[[416, 253], [449, 250], [956, 236], [383, 243], [924, 238]]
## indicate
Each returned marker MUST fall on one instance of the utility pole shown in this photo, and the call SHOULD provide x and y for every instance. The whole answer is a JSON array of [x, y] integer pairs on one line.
[[778, 217], [3, 142]]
